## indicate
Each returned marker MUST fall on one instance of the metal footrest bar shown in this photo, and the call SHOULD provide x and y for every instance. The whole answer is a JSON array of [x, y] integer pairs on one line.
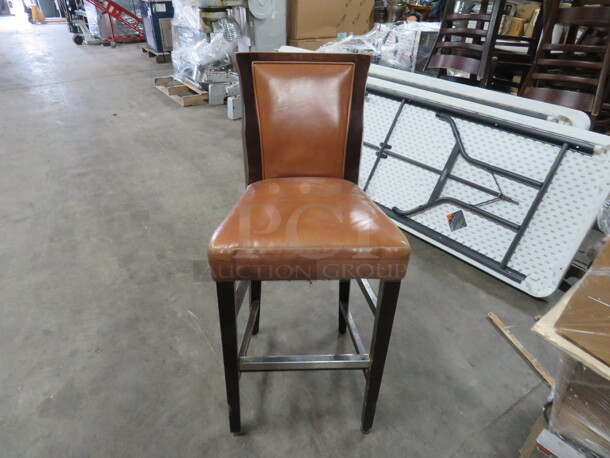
[[240, 293], [245, 342], [353, 333], [303, 363], [369, 294]]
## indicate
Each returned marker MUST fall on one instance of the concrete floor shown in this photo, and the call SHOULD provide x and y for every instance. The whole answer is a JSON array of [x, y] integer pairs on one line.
[[109, 192]]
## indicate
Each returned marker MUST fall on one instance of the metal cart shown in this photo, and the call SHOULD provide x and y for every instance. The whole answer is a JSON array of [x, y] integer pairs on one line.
[[78, 24]]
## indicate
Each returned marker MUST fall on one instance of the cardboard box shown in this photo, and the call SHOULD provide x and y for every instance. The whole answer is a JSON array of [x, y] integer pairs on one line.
[[517, 26], [585, 321], [526, 9], [311, 43], [327, 18]]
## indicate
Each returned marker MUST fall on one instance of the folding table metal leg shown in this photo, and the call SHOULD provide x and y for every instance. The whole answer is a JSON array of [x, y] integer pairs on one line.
[[228, 331], [255, 295], [343, 299], [384, 318]]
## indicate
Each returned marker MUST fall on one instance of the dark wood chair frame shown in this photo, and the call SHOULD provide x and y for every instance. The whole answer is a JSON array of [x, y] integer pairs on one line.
[[514, 63], [230, 298]]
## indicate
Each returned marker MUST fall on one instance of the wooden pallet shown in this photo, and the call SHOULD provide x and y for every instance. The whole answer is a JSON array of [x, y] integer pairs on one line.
[[160, 57], [184, 94]]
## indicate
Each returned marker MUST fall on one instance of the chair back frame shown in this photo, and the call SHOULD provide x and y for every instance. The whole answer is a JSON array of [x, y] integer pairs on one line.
[[251, 128]]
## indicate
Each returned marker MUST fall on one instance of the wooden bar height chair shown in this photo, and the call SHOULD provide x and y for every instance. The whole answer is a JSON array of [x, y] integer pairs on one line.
[[512, 58], [303, 216], [573, 73], [466, 41]]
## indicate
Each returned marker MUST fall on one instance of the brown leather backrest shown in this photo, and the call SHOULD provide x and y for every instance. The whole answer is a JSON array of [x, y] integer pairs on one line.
[[302, 114]]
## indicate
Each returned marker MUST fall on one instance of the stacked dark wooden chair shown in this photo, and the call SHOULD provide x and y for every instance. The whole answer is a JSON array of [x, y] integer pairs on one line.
[[512, 58], [574, 73], [466, 42]]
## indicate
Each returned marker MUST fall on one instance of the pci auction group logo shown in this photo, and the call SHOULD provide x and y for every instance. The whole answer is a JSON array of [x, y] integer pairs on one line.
[[296, 230]]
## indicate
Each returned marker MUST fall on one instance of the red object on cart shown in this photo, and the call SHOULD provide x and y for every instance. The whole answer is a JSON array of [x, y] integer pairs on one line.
[[117, 12]]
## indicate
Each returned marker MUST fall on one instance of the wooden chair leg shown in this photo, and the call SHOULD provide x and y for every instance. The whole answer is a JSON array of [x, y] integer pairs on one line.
[[228, 331], [343, 299], [255, 295], [384, 318]]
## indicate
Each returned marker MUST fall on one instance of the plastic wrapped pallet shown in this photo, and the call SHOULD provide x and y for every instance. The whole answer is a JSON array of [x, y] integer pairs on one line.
[[581, 407], [581, 397], [92, 19], [403, 45], [585, 321], [196, 53]]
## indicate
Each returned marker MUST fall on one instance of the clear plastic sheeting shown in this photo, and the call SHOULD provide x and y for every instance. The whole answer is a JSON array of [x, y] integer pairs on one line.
[[403, 45], [580, 411], [186, 15], [119, 28], [196, 53], [92, 19]]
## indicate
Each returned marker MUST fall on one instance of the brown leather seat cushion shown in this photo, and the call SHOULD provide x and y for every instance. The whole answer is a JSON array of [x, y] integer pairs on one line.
[[307, 229]]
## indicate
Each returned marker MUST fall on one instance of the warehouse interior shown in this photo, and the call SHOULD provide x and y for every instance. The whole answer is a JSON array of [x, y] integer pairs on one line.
[[110, 343]]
